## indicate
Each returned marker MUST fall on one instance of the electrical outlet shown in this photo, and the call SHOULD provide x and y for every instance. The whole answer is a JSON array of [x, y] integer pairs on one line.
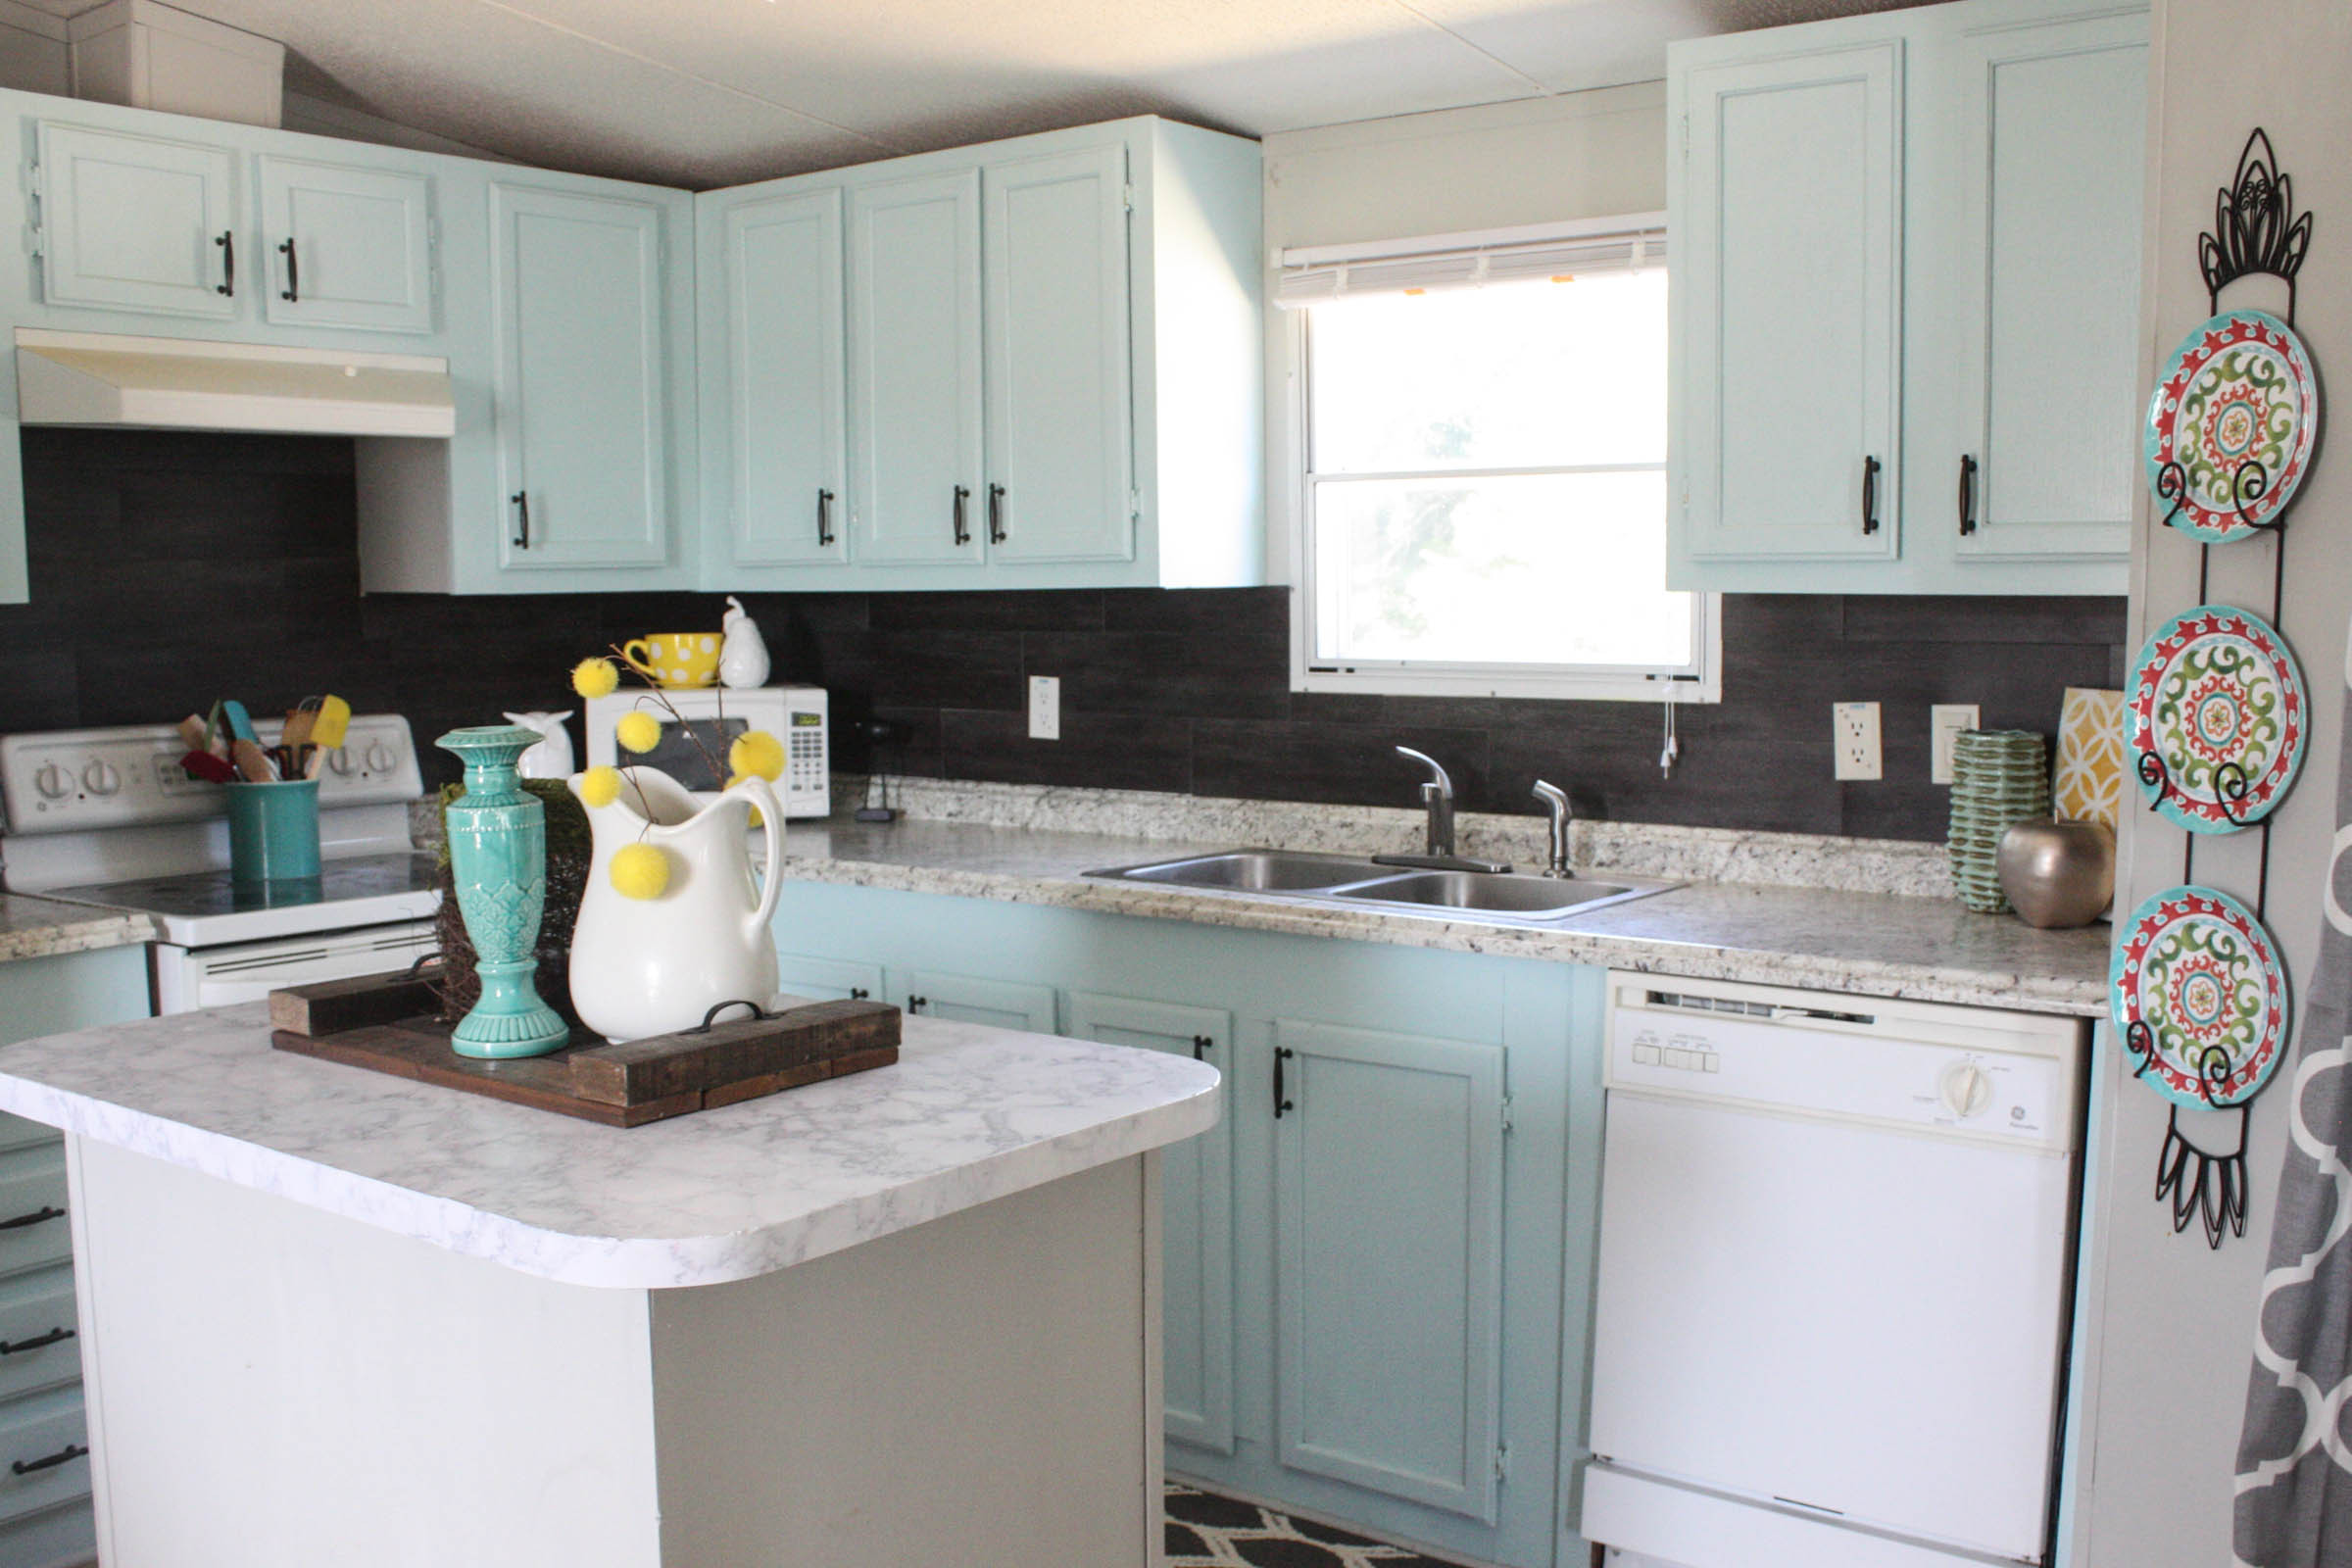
[[1945, 722], [1854, 732], [1044, 707]]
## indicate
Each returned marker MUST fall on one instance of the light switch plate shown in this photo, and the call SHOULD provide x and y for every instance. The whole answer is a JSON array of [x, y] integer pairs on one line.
[[1946, 722], [1854, 734], [1044, 707]]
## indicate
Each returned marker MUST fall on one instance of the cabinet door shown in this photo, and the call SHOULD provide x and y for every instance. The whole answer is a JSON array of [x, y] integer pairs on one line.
[[1788, 306], [1058, 423], [347, 247], [1197, 1216], [581, 361], [2051, 125], [1387, 1153], [140, 223], [914, 372], [966, 998], [785, 367], [828, 979]]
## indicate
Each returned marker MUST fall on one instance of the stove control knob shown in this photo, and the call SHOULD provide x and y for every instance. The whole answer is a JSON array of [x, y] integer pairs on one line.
[[379, 757], [100, 778], [52, 781], [1967, 1088], [338, 762]]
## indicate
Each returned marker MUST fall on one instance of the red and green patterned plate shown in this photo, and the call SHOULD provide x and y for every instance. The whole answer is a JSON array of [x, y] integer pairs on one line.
[[2232, 425], [2219, 704], [2199, 996]]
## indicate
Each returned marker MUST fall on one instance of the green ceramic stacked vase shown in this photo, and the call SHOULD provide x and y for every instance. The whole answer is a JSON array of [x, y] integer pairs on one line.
[[498, 858]]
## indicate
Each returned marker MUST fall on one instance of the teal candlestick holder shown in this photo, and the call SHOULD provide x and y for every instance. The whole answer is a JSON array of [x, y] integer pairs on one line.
[[498, 858]]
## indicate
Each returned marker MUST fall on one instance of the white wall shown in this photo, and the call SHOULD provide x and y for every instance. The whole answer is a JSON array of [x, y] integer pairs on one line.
[[1542, 160], [2174, 1323]]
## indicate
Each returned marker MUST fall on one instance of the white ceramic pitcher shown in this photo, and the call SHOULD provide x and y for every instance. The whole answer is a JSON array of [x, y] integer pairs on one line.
[[649, 966]]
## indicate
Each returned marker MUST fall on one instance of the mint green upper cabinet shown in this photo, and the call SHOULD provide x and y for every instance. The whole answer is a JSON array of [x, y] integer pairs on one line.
[[915, 456], [1787, 304], [132, 223], [779, 370], [1060, 470], [346, 247], [581, 368], [2054, 124], [1387, 1170]]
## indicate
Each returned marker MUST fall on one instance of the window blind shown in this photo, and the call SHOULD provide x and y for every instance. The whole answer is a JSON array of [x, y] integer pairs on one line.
[[1310, 275]]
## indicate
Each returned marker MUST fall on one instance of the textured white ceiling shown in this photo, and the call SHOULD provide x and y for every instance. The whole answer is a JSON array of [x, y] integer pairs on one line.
[[708, 92]]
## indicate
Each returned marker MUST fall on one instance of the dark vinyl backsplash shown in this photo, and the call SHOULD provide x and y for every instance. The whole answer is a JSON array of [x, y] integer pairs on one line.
[[171, 568]]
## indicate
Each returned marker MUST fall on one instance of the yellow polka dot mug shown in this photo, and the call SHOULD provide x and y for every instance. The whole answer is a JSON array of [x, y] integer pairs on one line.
[[674, 659]]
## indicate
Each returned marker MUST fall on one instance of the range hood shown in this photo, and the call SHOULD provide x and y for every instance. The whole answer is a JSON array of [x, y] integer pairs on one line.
[[184, 384]]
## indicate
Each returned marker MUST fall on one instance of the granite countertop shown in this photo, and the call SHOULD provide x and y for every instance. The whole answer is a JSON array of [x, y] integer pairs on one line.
[[41, 928], [967, 1114], [1918, 949]]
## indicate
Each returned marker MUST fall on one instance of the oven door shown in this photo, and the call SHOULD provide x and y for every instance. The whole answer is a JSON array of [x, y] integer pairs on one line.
[[189, 978]]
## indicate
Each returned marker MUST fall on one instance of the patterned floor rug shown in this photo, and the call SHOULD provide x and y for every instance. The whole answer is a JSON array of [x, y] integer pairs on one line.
[[1207, 1530]]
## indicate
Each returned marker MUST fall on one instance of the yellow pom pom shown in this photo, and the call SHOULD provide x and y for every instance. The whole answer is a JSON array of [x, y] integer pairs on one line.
[[755, 751], [595, 677], [640, 871], [638, 732], [599, 786], [755, 819]]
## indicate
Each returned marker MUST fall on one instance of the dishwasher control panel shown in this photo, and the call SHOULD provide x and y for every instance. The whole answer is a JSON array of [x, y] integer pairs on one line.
[[1823, 1056]]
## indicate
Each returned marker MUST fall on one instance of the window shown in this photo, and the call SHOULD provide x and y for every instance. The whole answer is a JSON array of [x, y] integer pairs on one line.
[[1482, 469]]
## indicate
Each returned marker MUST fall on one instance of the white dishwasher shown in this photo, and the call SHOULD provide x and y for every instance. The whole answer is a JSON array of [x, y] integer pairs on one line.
[[1836, 1242]]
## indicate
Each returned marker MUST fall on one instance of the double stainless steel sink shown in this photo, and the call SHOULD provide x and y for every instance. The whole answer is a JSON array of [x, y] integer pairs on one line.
[[1342, 881]]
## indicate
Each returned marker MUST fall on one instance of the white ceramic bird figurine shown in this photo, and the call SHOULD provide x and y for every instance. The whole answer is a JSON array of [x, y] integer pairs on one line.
[[742, 661], [552, 756]]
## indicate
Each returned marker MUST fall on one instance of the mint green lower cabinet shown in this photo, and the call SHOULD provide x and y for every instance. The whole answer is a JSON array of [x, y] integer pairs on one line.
[[1197, 1217], [1388, 1174], [1402, 1259], [828, 979]]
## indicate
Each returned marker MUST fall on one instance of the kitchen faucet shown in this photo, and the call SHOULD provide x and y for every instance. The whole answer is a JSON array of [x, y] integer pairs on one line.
[[1436, 798], [1557, 799]]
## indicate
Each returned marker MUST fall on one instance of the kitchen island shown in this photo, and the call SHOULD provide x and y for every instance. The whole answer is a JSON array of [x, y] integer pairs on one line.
[[905, 1317]]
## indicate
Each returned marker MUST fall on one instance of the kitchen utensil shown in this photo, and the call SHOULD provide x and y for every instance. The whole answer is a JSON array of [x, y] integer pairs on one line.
[[679, 658], [194, 734], [236, 720], [273, 830], [2057, 874], [2199, 996], [253, 763], [2219, 703], [297, 732], [203, 765], [2232, 426], [742, 658], [333, 721]]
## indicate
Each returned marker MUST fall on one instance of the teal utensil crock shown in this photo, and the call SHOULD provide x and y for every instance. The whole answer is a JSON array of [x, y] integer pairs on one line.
[[274, 830], [498, 858]]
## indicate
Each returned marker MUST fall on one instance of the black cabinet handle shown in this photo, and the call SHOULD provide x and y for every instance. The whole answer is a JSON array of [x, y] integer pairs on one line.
[[964, 533], [37, 1216], [26, 1467], [995, 514], [917, 1003], [824, 518], [292, 292], [11, 1347], [522, 519], [1968, 494], [1201, 1043], [228, 264], [1870, 495], [860, 993], [1282, 1102]]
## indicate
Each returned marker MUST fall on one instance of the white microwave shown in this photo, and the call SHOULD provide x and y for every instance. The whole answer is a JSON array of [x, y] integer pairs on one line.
[[795, 715]]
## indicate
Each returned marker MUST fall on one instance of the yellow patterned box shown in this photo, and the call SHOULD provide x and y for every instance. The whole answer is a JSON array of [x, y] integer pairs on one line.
[[2090, 782]]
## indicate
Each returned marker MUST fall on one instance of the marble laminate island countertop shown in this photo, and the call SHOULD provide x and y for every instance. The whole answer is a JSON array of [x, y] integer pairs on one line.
[[1918, 949], [969, 1114]]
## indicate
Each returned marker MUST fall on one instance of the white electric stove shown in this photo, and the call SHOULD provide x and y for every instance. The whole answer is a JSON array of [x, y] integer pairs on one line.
[[107, 817]]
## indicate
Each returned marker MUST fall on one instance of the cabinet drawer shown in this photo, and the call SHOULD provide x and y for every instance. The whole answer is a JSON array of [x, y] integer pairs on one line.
[[39, 1342], [18, 1133], [44, 1452], [33, 1209]]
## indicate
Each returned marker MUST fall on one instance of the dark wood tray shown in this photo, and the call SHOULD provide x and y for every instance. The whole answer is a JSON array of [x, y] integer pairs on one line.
[[382, 1022]]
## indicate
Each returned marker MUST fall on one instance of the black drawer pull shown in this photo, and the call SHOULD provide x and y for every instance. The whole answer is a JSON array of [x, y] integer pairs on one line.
[[860, 993], [1282, 1102], [38, 1216], [917, 1003], [1968, 494], [1870, 495], [1201, 1043], [228, 264], [996, 514], [292, 292], [11, 1347], [824, 518], [65, 1455], [522, 519], [963, 532]]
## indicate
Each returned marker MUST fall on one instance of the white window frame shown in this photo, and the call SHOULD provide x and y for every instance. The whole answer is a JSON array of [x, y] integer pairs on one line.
[[1293, 494]]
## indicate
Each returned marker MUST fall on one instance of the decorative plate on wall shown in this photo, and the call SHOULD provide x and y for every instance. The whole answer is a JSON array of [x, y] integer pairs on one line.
[[2199, 996], [2232, 425], [2215, 719]]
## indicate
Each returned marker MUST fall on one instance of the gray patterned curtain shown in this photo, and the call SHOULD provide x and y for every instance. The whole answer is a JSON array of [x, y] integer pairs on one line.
[[2294, 1456]]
